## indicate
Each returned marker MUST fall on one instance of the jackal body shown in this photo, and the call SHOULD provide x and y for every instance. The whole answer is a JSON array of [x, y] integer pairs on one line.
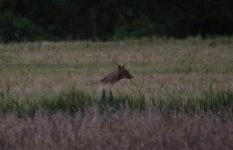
[[117, 75]]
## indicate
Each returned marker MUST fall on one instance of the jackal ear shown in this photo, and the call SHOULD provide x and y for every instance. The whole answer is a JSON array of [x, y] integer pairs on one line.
[[119, 66]]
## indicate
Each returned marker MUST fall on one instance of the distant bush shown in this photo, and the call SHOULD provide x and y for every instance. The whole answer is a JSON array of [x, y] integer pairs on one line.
[[16, 28], [113, 19]]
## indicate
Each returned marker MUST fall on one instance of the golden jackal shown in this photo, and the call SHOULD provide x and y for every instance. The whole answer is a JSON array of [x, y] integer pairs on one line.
[[117, 75]]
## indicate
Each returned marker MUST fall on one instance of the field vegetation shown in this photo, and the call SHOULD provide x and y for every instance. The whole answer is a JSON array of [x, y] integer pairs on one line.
[[181, 96]]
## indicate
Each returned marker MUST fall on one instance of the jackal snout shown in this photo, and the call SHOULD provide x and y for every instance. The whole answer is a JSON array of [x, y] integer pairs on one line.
[[123, 73], [130, 77]]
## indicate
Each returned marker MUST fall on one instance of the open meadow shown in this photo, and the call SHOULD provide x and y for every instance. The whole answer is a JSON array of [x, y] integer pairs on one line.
[[181, 96]]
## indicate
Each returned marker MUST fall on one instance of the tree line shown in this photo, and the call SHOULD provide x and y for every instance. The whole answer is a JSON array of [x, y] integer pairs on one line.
[[113, 19]]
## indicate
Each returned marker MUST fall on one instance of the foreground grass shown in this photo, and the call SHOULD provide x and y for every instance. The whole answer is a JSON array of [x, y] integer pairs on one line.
[[124, 130]]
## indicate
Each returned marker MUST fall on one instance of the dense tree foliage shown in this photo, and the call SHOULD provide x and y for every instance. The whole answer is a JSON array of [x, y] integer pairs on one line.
[[107, 19]]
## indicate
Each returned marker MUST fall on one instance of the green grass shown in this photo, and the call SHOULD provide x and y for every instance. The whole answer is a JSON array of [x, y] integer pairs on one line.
[[69, 101], [73, 101], [214, 101]]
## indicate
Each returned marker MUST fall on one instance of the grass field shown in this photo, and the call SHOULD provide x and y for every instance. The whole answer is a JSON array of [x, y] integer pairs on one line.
[[181, 96]]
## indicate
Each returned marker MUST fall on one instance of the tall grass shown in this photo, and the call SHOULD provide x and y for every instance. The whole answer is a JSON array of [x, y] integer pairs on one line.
[[73, 100], [124, 130], [214, 101], [69, 101]]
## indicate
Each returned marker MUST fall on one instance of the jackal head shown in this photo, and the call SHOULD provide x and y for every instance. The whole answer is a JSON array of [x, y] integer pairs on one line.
[[123, 73], [117, 75]]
